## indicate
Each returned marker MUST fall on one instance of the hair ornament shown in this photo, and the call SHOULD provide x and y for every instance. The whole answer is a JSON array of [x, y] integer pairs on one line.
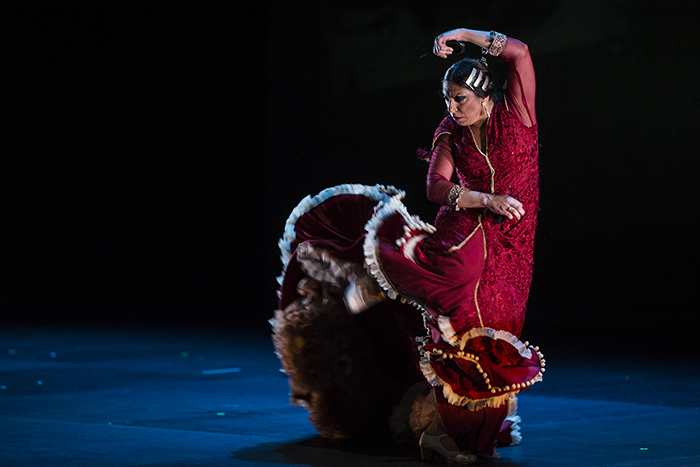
[[477, 79], [471, 77]]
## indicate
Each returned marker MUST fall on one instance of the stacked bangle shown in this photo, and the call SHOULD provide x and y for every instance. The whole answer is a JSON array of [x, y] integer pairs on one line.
[[453, 196], [498, 43]]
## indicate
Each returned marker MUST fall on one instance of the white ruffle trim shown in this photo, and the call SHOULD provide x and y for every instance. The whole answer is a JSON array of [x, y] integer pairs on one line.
[[410, 243], [515, 434], [378, 193], [449, 334], [462, 401], [383, 211], [413, 414], [447, 331]]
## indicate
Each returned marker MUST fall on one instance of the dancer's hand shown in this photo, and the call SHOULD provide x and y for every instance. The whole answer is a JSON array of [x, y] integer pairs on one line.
[[505, 205], [480, 38], [440, 47]]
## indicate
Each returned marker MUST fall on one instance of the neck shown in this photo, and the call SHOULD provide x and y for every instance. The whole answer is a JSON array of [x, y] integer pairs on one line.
[[480, 124], [486, 110], [479, 129]]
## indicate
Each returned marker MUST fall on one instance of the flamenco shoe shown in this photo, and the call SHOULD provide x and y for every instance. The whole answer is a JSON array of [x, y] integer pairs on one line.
[[431, 444], [358, 298]]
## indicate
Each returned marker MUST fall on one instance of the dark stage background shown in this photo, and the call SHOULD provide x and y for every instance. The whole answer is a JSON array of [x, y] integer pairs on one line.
[[151, 151]]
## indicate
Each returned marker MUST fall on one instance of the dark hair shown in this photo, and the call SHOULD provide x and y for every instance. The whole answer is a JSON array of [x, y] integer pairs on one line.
[[459, 72]]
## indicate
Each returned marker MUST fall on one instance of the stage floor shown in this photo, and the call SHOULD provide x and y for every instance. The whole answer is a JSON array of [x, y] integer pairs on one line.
[[132, 397]]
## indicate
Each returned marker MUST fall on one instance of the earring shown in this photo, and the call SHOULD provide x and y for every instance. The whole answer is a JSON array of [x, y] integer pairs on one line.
[[483, 104]]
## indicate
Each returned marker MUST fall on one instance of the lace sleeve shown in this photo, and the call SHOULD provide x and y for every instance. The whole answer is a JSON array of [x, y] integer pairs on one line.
[[520, 90], [441, 169]]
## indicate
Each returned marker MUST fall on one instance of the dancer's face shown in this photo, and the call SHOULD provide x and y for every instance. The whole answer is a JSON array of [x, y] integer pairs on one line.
[[463, 105]]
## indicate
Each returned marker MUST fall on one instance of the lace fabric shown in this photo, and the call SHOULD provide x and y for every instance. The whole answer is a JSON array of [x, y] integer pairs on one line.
[[511, 167]]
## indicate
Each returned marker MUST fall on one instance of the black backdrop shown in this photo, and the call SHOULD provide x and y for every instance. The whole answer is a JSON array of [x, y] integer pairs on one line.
[[152, 151]]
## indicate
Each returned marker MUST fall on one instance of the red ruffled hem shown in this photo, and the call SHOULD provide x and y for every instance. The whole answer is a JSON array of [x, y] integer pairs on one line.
[[483, 372]]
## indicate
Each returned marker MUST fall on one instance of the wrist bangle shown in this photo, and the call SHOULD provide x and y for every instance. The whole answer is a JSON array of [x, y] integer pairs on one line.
[[453, 196], [498, 43]]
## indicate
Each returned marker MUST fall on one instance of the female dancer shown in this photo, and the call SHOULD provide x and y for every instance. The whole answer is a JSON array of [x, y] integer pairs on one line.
[[356, 248]]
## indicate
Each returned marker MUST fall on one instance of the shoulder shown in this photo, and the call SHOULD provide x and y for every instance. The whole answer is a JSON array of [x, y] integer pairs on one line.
[[512, 115], [442, 139], [447, 127]]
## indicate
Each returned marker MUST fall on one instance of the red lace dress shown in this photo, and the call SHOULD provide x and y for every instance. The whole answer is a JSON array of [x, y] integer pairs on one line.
[[458, 289]]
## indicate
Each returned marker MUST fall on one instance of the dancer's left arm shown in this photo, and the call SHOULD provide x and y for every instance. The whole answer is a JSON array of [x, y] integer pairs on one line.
[[439, 185]]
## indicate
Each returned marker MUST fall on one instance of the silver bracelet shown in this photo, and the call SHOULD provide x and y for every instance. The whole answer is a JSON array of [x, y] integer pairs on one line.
[[453, 196], [498, 43]]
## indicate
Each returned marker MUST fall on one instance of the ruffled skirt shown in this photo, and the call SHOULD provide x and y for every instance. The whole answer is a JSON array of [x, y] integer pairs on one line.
[[373, 373]]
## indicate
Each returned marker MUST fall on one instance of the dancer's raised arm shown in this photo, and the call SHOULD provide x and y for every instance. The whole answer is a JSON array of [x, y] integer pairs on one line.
[[520, 91]]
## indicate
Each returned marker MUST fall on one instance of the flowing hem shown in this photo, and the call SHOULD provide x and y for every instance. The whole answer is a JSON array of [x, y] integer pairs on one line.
[[496, 376], [413, 225], [448, 333], [331, 386], [462, 401], [322, 266], [377, 193]]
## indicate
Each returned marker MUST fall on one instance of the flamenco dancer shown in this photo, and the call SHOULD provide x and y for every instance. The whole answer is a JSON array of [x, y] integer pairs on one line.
[[387, 324]]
